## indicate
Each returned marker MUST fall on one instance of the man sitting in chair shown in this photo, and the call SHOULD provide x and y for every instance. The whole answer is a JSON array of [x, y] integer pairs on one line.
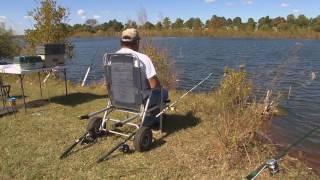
[[130, 45]]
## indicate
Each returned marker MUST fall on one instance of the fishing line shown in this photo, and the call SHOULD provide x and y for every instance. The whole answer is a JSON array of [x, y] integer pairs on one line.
[[181, 97]]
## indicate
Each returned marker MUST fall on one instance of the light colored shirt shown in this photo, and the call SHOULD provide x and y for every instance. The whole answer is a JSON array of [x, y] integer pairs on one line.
[[146, 67]]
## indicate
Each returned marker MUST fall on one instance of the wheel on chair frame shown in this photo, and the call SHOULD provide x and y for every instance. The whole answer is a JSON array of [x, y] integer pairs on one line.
[[143, 139], [93, 127]]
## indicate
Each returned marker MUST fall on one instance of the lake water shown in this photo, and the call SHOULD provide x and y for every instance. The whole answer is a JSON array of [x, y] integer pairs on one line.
[[271, 64]]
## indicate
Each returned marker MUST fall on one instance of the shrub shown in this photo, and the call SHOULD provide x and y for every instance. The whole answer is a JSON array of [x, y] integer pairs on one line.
[[237, 116], [164, 68], [235, 87]]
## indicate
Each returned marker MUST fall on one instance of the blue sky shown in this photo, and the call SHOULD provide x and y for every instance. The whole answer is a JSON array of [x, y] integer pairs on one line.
[[14, 12]]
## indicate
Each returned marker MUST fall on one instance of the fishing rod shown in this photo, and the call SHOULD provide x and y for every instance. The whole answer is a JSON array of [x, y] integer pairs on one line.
[[122, 144], [272, 164], [181, 97], [66, 152], [89, 69]]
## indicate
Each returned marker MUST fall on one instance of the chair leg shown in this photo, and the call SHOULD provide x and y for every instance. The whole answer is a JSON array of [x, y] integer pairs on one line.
[[161, 108]]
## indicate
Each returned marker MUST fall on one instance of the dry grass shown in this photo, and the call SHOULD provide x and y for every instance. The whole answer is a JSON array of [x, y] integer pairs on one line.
[[164, 66], [31, 143]]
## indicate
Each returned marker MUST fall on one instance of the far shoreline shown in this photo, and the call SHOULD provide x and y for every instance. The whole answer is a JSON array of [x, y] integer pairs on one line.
[[211, 36]]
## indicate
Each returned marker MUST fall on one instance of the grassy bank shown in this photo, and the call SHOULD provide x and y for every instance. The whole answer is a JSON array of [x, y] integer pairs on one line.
[[31, 143]]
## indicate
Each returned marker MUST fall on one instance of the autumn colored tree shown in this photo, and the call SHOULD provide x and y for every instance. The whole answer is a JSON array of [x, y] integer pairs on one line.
[[49, 24]]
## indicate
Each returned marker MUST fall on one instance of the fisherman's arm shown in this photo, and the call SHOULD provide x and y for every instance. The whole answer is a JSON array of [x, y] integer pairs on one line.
[[154, 82]]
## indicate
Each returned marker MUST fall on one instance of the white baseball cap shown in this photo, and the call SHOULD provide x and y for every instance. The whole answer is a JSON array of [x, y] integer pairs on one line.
[[130, 35]]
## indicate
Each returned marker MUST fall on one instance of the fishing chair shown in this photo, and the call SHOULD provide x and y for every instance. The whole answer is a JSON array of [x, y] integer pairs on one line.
[[4, 92], [125, 85]]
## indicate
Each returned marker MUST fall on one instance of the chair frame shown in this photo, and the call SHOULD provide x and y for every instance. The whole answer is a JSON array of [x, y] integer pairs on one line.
[[139, 115], [5, 93]]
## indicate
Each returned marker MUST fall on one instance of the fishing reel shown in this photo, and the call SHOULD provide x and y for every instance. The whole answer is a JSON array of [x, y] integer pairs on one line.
[[273, 166], [124, 148]]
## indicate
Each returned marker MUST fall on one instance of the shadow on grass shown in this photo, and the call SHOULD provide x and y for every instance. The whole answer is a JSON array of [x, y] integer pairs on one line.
[[173, 123], [6, 111], [76, 98]]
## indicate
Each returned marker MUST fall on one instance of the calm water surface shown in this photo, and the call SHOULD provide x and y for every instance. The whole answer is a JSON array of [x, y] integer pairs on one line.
[[276, 64]]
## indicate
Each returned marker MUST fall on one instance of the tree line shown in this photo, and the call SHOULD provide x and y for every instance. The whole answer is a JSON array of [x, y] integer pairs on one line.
[[278, 24]]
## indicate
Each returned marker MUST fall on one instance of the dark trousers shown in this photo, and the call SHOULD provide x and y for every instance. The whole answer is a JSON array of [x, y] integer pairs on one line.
[[155, 99]]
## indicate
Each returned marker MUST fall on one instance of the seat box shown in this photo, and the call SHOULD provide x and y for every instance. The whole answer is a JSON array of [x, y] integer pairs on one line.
[[27, 62]]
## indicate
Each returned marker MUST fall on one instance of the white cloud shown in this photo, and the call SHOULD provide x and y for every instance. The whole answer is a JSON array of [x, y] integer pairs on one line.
[[284, 4], [96, 16], [248, 2], [81, 12], [3, 18], [209, 1]]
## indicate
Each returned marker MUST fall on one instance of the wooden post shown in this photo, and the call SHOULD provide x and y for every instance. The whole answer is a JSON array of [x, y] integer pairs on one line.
[[22, 91]]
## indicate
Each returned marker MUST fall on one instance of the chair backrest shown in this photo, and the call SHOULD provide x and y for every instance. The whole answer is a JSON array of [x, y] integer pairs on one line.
[[124, 81]]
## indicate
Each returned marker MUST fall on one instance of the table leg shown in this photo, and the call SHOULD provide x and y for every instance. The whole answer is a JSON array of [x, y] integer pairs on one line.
[[40, 84], [22, 91], [65, 81]]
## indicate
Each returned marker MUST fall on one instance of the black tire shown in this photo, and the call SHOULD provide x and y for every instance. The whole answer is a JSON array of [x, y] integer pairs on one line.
[[93, 127], [143, 139]]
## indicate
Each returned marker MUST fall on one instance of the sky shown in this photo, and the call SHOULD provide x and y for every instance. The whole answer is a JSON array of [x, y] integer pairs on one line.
[[14, 12]]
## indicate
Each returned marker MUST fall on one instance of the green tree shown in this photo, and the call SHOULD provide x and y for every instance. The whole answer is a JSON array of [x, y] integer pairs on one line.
[[159, 26], [194, 23], [216, 22], [265, 23], [237, 21], [316, 24], [8, 47], [302, 21], [229, 22], [197, 24], [48, 28], [276, 21], [291, 19], [178, 24], [189, 23], [166, 23], [148, 25], [111, 25], [250, 25]]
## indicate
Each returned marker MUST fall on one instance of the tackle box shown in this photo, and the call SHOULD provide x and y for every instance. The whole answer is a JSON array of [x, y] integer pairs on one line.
[[27, 62]]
